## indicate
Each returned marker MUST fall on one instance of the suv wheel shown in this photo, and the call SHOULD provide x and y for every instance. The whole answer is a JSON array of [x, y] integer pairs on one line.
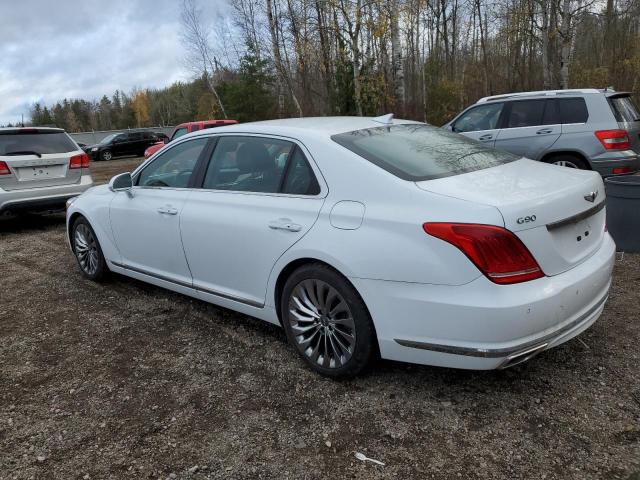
[[87, 250], [106, 155], [568, 161], [327, 321]]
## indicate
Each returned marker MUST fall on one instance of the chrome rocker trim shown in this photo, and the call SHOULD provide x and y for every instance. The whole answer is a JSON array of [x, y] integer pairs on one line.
[[226, 296]]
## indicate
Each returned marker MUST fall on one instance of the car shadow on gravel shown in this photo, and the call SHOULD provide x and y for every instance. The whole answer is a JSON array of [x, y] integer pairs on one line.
[[30, 222]]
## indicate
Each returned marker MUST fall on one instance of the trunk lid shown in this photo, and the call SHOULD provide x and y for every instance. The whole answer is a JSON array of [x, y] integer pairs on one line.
[[544, 205], [37, 157]]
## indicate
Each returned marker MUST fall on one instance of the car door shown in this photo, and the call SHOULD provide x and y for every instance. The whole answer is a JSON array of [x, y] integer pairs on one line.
[[146, 222], [259, 196], [480, 122], [530, 127], [119, 145]]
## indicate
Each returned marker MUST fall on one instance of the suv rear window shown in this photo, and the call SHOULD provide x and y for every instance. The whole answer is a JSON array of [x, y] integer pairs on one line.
[[33, 141], [421, 152], [625, 109]]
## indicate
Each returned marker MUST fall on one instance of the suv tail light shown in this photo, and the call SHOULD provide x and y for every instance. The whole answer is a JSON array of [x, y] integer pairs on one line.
[[79, 161], [497, 252], [4, 168], [614, 139]]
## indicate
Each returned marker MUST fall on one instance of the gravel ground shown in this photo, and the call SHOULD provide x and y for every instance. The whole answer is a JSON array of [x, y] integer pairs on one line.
[[126, 380]]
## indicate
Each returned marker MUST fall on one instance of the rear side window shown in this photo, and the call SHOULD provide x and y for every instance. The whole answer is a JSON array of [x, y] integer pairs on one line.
[[248, 164], [300, 179], [527, 113], [35, 142], [418, 152], [625, 109], [573, 110]]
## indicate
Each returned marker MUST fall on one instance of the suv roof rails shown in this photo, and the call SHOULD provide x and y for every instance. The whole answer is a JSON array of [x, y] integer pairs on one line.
[[539, 93]]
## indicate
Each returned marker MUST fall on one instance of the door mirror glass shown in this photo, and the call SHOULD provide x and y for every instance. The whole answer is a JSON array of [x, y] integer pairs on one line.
[[121, 183]]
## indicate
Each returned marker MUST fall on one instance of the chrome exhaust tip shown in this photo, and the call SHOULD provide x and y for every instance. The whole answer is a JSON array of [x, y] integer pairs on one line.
[[522, 356]]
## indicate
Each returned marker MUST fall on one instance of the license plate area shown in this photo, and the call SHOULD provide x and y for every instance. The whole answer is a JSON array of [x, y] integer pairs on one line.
[[41, 172]]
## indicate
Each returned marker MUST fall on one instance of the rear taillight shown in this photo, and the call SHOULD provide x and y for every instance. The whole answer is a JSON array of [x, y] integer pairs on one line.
[[4, 168], [619, 170], [79, 161], [497, 252], [614, 139]]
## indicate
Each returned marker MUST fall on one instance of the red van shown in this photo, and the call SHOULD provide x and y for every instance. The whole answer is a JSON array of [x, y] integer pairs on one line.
[[185, 128]]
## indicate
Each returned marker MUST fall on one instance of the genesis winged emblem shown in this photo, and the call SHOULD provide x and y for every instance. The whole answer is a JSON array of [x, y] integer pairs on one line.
[[591, 197]]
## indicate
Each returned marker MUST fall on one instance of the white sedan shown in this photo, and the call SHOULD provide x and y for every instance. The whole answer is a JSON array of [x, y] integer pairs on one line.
[[361, 236]]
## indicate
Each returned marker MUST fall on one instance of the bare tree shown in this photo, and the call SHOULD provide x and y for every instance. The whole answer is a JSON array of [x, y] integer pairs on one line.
[[195, 39]]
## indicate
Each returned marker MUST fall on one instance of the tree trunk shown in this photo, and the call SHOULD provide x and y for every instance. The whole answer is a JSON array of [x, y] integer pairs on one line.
[[565, 49], [396, 54]]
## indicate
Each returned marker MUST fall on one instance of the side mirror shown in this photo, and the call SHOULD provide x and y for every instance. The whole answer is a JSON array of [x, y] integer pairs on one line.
[[121, 183]]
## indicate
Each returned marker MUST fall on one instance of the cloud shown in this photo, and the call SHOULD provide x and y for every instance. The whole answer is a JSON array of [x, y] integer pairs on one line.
[[52, 50]]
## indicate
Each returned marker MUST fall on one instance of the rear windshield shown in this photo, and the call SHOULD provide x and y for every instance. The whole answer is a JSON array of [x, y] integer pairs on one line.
[[625, 109], [421, 152], [35, 142]]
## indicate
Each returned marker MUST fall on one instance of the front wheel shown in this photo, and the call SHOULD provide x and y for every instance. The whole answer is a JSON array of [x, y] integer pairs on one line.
[[87, 250], [327, 321], [106, 155]]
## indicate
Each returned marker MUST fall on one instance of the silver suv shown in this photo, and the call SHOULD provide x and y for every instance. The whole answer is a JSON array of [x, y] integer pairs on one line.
[[588, 129], [40, 168]]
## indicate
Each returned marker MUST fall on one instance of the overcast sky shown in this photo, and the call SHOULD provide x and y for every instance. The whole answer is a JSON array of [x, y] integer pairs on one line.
[[52, 49]]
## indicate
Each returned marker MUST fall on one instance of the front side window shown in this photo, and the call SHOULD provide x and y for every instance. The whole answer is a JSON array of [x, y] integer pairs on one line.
[[419, 152], [174, 167], [484, 117], [527, 113], [248, 164]]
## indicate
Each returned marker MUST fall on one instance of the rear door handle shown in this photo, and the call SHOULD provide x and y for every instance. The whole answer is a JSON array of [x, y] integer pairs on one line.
[[486, 137], [284, 224], [544, 131], [168, 210]]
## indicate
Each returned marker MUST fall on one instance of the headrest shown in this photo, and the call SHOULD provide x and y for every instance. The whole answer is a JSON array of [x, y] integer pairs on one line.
[[253, 157]]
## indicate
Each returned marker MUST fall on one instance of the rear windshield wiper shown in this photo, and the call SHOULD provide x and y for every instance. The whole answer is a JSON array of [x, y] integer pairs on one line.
[[23, 152]]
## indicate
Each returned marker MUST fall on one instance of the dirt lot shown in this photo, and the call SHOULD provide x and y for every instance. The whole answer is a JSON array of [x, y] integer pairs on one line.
[[125, 380]]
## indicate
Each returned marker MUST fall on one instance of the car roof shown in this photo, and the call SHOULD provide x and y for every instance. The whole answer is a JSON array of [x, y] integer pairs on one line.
[[309, 126], [207, 122]]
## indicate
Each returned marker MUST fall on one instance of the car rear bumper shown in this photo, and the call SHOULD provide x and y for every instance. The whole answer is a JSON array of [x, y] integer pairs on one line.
[[482, 325], [606, 163], [44, 198]]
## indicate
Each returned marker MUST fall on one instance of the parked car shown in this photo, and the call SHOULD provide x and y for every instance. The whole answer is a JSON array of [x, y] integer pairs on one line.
[[185, 128], [371, 235], [586, 129], [121, 144], [40, 168]]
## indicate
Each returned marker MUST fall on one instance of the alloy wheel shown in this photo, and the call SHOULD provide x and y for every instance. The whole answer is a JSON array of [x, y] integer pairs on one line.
[[86, 249], [322, 323], [106, 155], [565, 163]]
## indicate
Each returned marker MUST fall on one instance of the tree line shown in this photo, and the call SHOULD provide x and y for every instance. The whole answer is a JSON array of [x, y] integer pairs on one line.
[[421, 59]]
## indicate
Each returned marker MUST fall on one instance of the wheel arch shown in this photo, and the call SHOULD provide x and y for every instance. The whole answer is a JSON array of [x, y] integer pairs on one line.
[[546, 158]]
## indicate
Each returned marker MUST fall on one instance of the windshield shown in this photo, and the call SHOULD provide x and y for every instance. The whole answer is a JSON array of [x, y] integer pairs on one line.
[[108, 138], [34, 142], [421, 152]]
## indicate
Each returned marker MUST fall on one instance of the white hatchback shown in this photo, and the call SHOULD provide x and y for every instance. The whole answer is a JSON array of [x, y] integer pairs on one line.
[[362, 236]]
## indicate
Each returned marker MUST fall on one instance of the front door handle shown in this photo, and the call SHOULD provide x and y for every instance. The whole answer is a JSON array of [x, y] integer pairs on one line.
[[168, 210], [486, 137], [285, 224], [544, 131]]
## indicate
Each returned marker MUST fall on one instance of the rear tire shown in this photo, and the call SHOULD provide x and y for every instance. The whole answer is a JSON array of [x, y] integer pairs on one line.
[[106, 155], [87, 251], [327, 322], [570, 161]]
